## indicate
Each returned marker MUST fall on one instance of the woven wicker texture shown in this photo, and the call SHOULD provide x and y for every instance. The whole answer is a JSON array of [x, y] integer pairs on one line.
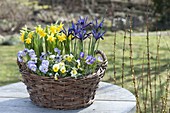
[[64, 93]]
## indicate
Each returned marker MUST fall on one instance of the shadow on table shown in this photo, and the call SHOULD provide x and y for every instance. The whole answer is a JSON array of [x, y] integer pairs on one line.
[[24, 105]]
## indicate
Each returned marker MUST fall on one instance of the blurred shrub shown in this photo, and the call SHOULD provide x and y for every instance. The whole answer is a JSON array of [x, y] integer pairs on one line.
[[13, 15], [162, 9]]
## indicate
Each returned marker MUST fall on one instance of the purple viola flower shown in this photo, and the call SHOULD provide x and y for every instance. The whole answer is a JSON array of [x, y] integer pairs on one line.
[[20, 55], [99, 59], [57, 51], [43, 56], [45, 62], [90, 59], [30, 62], [34, 58], [81, 54], [43, 68], [20, 59], [31, 53], [25, 51], [32, 67]]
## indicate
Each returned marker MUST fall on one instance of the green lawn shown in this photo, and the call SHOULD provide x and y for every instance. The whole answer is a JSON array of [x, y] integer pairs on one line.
[[8, 69]]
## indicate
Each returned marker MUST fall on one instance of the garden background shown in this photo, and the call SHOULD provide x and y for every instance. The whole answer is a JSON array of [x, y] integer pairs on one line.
[[137, 42]]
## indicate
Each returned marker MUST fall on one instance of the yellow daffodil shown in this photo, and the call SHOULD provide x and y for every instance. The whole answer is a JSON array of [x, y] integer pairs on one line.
[[51, 38], [30, 35], [28, 40], [40, 31], [63, 69], [22, 36], [55, 67], [70, 37], [60, 27], [62, 37], [53, 29]]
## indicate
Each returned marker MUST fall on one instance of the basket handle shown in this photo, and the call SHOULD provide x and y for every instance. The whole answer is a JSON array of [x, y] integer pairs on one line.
[[104, 63]]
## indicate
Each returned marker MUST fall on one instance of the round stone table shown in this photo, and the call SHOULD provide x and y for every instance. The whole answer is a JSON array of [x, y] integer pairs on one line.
[[109, 99]]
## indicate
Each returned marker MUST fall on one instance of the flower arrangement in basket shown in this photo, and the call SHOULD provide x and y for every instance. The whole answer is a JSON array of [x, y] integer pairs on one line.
[[62, 68]]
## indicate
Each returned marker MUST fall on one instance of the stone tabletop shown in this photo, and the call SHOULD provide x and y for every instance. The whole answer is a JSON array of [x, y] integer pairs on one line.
[[109, 99]]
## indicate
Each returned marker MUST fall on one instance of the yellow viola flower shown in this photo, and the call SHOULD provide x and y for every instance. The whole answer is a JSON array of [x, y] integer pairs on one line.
[[51, 38], [55, 67], [73, 73], [60, 27], [53, 29], [30, 35], [62, 37], [28, 40], [63, 69], [69, 58], [22, 36]]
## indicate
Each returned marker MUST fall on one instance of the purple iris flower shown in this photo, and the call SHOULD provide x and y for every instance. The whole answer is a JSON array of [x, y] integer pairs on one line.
[[98, 25], [98, 34], [90, 59], [45, 62], [83, 22], [57, 51], [81, 54], [43, 68], [31, 53], [78, 29]]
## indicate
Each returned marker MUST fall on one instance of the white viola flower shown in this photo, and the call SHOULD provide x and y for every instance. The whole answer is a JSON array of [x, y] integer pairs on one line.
[[52, 57], [78, 63], [63, 69], [61, 64]]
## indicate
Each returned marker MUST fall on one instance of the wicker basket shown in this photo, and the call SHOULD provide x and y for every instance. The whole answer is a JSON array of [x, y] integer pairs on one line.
[[64, 93]]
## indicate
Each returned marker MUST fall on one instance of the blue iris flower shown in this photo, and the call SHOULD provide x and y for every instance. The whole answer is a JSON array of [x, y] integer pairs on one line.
[[97, 31], [98, 25], [78, 30], [98, 34]]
